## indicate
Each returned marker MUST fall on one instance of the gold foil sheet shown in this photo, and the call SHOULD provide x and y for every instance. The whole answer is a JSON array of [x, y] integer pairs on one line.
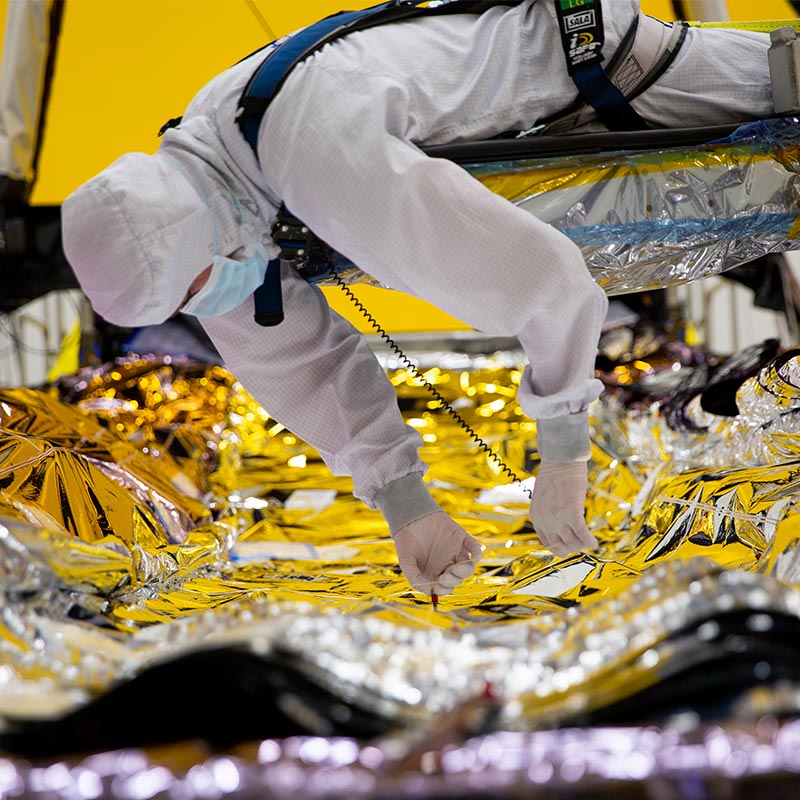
[[128, 556]]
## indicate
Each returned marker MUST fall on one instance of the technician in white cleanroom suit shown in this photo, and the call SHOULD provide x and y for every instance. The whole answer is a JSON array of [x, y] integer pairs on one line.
[[339, 146]]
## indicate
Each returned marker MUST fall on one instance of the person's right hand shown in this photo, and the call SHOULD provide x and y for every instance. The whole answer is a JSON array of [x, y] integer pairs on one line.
[[436, 553]]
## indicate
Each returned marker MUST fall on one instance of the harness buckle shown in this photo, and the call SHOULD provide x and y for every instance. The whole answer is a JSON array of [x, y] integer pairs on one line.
[[170, 123], [292, 237]]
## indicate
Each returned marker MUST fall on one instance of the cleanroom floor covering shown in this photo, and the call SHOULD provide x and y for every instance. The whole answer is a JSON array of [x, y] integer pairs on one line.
[[179, 566]]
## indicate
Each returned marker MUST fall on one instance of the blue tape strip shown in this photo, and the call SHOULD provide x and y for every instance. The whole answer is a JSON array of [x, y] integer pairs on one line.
[[676, 231]]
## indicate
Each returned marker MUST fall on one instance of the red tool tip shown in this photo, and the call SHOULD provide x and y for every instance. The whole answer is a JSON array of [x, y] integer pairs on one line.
[[435, 600]]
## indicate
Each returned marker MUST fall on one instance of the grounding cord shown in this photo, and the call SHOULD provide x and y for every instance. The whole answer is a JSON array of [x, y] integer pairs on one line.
[[435, 393]]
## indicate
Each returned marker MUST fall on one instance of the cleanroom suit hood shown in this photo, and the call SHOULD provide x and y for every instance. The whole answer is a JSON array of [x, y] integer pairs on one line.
[[142, 230]]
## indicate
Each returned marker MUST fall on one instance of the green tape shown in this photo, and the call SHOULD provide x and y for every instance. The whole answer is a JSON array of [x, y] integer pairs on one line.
[[760, 26]]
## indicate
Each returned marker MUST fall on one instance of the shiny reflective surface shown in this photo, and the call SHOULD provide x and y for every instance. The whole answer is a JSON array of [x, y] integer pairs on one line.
[[160, 510], [603, 762]]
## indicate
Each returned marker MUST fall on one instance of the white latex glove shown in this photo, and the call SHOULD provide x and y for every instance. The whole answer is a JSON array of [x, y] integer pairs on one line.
[[557, 511], [435, 553]]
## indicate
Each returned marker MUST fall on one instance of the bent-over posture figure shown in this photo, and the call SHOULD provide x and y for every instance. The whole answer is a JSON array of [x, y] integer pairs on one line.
[[188, 228]]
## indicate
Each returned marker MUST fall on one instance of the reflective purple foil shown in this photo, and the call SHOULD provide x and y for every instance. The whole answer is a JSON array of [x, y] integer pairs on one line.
[[714, 761]]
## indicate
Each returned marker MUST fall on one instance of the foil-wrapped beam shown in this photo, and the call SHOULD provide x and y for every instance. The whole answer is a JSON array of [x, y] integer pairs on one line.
[[651, 218]]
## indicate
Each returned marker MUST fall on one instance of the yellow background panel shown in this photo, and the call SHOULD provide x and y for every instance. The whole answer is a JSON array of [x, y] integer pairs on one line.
[[126, 66]]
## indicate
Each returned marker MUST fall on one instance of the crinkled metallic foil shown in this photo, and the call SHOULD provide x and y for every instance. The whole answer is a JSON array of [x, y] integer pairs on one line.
[[650, 219], [715, 761], [116, 557], [61, 432]]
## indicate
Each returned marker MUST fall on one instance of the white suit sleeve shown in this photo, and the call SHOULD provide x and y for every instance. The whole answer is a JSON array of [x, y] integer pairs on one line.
[[333, 146], [316, 374]]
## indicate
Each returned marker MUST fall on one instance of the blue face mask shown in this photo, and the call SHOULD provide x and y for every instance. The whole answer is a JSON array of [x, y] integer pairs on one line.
[[231, 282]]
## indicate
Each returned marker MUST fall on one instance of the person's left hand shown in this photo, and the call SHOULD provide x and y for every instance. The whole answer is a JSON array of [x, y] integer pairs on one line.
[[436, 553], [557, 507]]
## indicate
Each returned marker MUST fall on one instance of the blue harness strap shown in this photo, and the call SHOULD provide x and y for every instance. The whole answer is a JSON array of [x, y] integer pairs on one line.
[[285, 55], [581, 28], [276, 67]]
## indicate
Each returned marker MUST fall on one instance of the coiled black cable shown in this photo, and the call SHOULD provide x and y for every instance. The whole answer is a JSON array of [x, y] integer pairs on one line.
[[437, 395]]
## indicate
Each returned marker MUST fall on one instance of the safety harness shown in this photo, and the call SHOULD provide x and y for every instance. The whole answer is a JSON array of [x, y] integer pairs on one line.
[[645, 52]]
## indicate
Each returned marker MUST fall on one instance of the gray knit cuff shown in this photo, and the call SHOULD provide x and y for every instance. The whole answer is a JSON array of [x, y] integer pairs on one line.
[[564, 438], [405, 500]]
